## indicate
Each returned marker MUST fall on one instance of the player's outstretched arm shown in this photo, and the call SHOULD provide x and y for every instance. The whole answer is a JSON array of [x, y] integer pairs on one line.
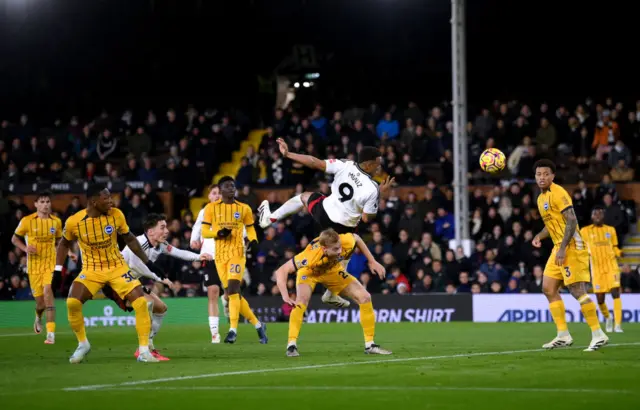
[[180, 253], [375, 267], [132, 242], [282, 274], [306, 160]]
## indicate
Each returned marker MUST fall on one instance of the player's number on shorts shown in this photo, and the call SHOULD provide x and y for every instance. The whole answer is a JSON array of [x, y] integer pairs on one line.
[[128, 277], [567, 271], [346, 192], [344, 274], [235, 268]]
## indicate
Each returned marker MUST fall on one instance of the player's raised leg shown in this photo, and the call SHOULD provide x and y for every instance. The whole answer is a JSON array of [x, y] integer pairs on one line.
[[602, 304], [550, 288], [359, 294], [292, 206], [617, 309], [78, 294]]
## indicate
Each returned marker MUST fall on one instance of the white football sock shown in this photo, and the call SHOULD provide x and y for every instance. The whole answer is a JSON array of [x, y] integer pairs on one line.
[[258, 325], [213, 324], [156, 322], [233, 329], [368, 344], [292, 206], [143, 349]]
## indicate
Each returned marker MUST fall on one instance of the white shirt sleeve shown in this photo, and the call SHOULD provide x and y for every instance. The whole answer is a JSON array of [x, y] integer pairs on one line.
[[196, 232], [334, 166], [371, 206], [179, 253], [144, 271]]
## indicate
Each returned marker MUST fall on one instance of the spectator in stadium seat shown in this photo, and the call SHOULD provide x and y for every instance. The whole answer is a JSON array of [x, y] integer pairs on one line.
[[148, 172], [605, 136], [621, 172], [389, 127], [445, 225], [546, 136], [245, 173], [139, 143], [491, 268], [620, 152]]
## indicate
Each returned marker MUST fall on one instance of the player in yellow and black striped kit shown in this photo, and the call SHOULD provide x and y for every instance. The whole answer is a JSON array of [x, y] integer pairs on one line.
[[225, 220], [37, 235], [605, 273]]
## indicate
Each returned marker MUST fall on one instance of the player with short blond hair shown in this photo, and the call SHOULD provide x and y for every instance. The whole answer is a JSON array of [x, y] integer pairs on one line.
[[320, 262]]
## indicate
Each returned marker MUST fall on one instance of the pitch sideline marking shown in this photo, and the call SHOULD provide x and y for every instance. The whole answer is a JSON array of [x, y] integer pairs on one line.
[[376, 388], [316, 366]]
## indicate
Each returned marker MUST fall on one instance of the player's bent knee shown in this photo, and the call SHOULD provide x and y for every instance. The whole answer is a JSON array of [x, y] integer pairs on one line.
[[304, 197], [160, 307], [362, 296], [74, 304], [213, 291]]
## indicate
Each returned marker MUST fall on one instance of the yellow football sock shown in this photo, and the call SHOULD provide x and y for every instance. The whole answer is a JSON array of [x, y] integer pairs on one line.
[[247, 313], [559, 315], [604, 309], [368, 321], [617, 311], [143, 320], [589, 312], [51, 327], [295, 322], [234, 310], [76, 320]]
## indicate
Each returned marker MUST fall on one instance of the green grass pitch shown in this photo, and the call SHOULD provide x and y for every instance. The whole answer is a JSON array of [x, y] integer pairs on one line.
[[434, 366]]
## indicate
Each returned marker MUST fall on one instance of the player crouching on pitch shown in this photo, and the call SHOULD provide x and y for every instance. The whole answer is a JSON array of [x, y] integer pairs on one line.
[[154, 243], [321, 263]]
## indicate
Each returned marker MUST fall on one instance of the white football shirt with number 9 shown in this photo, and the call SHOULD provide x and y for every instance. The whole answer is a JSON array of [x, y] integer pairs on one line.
[[353, 192]]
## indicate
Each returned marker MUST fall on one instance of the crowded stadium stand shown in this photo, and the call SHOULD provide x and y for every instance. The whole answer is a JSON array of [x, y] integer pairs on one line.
[[164, 162]]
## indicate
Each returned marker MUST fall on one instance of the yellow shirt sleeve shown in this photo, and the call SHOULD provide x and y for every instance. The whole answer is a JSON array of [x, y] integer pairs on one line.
[[249, 224], [614, 242], [58, 224], [208, 228], [561, 199], [23, 227], [122, 227], [70, 229]]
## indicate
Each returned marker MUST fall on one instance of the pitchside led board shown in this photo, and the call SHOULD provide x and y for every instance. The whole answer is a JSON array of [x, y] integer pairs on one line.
[[389, 309], [534, 308]]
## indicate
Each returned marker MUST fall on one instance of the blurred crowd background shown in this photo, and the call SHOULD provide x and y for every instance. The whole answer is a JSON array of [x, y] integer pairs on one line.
[[596, 146]]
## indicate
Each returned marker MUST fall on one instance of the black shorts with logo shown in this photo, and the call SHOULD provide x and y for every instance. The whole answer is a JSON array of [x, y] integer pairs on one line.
[[316, 209], [211, 274]]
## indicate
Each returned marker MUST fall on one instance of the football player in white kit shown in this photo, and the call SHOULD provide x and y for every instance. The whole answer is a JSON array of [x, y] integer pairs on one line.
[[153, 243], [353, 193], [211, 280]]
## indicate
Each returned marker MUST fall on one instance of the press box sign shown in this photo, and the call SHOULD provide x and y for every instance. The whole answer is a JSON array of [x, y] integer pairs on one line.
[[534, 308]]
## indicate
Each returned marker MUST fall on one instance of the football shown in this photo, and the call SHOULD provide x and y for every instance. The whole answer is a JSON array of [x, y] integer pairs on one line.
[[492, 160]]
